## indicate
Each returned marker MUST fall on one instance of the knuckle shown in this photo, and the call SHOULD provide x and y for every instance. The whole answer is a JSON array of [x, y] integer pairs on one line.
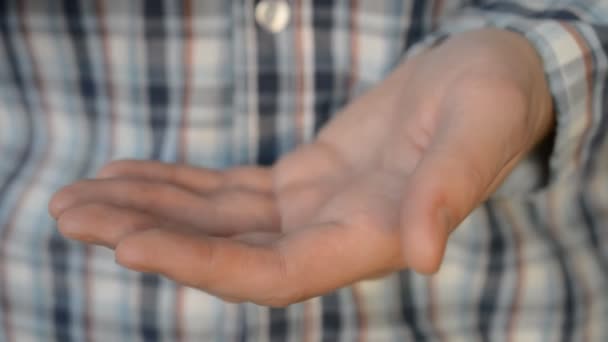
[[280, 299], [275, 303], [206, 257], [285, 290]]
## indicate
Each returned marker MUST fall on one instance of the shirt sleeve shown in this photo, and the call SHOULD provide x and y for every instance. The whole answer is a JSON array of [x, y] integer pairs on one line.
[[571, 38]]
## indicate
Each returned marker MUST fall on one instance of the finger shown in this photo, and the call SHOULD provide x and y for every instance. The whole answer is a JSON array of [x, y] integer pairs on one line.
[[104, 224], [306, 263], [194, 178], [223, 213], [223, 267]]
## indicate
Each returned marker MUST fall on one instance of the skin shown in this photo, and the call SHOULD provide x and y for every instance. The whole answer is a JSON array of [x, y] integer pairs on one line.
[[378, 191]]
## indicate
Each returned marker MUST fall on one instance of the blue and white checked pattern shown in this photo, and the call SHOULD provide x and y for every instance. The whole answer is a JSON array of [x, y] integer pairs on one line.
[[86, 81]]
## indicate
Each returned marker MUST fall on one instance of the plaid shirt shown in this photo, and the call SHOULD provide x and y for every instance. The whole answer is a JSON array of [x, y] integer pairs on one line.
[[84, 82]]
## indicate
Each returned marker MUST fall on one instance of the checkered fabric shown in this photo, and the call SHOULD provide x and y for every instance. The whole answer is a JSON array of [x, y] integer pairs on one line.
[[83, 82]]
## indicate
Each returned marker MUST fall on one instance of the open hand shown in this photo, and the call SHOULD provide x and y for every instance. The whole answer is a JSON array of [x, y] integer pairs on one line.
[[379, 190]]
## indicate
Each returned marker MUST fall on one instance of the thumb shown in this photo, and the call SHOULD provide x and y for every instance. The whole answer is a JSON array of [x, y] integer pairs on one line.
[[441, 192], [460, 169]]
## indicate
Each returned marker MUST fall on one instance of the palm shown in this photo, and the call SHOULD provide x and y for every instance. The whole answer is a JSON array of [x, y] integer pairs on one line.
[[369, 196]]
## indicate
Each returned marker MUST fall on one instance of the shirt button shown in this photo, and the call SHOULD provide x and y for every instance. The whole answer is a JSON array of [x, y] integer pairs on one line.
[[273, 15]]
